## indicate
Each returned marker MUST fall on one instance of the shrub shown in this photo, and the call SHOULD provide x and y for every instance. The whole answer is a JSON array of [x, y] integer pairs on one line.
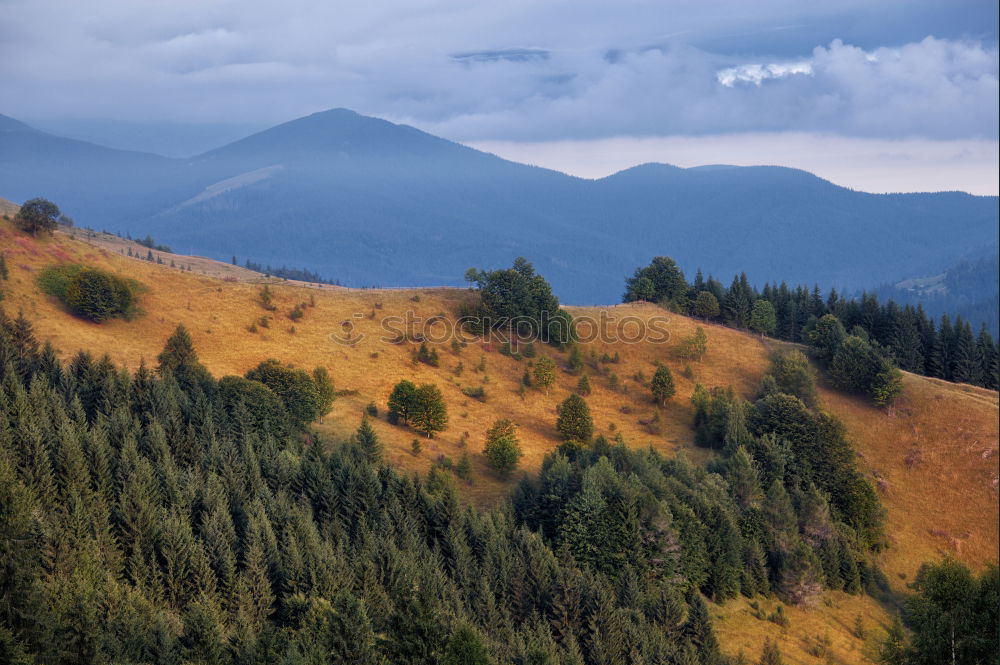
[[695, 346], [543, 374], [477, 393], [90, 293]]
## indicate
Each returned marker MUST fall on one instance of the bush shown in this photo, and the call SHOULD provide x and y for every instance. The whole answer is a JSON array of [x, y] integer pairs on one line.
[[693, 347], [90, 293], [477, 393]]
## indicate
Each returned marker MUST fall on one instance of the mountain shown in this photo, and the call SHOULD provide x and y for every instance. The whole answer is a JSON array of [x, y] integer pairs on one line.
[[369, 202], [968, 289]]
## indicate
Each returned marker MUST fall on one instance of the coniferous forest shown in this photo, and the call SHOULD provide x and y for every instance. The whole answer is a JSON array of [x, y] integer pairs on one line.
[[905, 335], [166, 517]]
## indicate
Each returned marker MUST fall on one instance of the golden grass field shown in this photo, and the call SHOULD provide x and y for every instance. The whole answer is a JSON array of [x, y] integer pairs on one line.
[[933, 456]]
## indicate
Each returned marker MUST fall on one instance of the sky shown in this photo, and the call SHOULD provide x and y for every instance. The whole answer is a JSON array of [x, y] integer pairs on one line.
[[895, 95]]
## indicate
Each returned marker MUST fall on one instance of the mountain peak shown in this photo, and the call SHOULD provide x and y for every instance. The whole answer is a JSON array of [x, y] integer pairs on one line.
[[8, 124], [337, 131]]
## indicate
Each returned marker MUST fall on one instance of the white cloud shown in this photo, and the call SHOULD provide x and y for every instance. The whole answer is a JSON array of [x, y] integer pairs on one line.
[[757, 74]]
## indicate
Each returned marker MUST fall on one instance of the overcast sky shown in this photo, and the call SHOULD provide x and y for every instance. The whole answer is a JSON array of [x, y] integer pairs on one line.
[[909, 88]]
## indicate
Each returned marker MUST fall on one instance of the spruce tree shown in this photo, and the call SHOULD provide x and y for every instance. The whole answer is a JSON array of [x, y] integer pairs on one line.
[[662, 385], [368, 441], [180, 360], [574, 422]]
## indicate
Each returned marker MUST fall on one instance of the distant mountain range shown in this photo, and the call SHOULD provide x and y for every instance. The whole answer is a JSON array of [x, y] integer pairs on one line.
[[369, 202]]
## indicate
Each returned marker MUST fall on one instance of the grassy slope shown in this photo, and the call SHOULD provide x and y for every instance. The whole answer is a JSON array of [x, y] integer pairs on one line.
[[942, 501]]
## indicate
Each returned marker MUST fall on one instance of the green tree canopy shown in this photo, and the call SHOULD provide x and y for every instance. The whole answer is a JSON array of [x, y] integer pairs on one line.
[[574, 422], [706, 305], [295, 388], [662, 385], [522, 301], [503, 448], [429, 413], [37, 216], [661, 281], [762, 317]]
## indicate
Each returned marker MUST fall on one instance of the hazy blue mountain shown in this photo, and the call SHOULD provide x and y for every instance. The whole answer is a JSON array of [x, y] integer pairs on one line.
[[369, 202], [172, 139], [968, 289]]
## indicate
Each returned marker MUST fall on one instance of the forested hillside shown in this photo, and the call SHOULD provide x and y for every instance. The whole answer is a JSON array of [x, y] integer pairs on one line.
[[665, 482]]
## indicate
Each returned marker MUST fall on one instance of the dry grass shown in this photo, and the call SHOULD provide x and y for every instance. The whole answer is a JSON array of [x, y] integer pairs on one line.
[[934, 456], [830, 623]]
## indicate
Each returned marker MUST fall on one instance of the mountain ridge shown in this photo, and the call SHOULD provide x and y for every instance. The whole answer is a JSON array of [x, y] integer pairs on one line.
[[364, 200]]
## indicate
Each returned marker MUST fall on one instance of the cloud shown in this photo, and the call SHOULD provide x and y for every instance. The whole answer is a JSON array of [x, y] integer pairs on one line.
[[516, 70], [933, 88], [757, 74]]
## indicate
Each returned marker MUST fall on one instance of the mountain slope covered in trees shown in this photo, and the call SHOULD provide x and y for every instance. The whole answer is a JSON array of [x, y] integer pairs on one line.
[[937, 435], [364, 201]]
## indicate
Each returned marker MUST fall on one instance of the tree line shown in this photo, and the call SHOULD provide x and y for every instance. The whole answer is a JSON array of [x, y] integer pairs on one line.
[[948, 349]]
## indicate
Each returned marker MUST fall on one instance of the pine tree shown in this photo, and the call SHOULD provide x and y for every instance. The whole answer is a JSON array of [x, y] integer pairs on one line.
[[966, 366], [574, 422], [738, 302], [706, 306], [698, 629], [583, 386], [662, 385], [779, 518], [368, 441], [465, 647], [988, 359], [743, 478], [575, 361], [180, 360]]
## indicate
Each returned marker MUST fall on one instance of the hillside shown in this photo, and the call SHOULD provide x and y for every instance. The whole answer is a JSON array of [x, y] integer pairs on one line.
[[936, 450], [368, 202]]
